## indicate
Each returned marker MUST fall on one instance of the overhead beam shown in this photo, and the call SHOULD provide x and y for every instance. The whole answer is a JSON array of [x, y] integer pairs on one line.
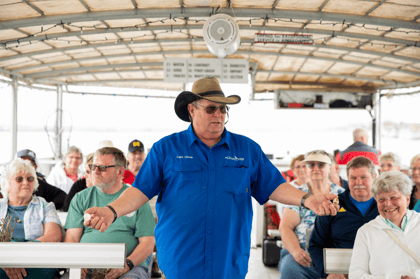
[[196, 26], [362, 64], [204, 12], [249, 41], [113, 66]]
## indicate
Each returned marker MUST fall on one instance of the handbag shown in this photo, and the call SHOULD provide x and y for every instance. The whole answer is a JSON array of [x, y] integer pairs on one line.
[[405, 248]]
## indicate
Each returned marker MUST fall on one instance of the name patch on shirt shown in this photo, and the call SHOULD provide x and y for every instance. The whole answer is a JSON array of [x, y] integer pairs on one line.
[[234, 159], [184, 157]]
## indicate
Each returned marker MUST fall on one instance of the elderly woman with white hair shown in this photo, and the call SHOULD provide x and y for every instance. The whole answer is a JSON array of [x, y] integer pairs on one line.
[[65, 173], [389, 162], [387, 246], [32, 217]]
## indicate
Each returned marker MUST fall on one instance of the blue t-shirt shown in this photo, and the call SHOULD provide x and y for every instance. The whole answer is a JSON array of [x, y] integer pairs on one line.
[[204, 205], [362, 206]]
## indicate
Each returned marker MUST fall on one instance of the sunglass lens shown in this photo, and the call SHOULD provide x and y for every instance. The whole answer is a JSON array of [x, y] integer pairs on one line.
[[210, 109], [19, 179], [102, 168], [31, 179]]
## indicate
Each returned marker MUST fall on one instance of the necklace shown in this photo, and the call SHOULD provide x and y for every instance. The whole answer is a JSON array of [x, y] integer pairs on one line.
[[19, 217]]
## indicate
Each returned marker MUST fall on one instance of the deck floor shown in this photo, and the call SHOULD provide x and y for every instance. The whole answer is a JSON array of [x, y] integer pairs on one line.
[[256, 268]]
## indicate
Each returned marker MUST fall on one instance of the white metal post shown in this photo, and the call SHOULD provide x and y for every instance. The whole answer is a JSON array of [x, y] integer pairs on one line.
[[59, 122], [377, 111], [14, 116]]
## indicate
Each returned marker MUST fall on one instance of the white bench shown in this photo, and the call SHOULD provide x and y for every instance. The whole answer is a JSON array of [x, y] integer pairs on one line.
[[337, 261], [74, 256]]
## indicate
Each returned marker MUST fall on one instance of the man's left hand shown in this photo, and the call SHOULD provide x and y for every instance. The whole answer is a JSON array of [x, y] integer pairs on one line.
[[322, 205], [117, 272]]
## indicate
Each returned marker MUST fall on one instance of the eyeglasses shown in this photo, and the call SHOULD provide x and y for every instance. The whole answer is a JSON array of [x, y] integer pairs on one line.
[[312, 165], [300, 166], [387, 165], [19, 179], [212, 109], [101, 168]]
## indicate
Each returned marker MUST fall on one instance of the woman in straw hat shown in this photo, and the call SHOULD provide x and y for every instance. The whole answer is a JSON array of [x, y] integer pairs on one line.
[[205, 177]]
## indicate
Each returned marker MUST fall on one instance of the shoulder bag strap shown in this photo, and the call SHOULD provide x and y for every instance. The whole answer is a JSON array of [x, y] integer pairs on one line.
[[405, 248]]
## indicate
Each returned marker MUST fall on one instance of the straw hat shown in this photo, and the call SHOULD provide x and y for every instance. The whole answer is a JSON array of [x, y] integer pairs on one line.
[[205, 88]]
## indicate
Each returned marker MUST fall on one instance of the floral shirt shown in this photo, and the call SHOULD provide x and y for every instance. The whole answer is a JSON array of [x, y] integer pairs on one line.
[[307, 217]]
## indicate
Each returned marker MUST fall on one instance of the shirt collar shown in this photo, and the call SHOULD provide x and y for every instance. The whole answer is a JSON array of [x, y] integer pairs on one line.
[[192, 137], [404, 222]]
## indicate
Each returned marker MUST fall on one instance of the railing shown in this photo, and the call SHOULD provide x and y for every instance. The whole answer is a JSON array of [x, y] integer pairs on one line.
[[74, 256]]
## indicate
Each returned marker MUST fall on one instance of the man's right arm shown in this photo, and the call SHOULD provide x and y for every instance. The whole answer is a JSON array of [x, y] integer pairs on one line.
[[102, 217]]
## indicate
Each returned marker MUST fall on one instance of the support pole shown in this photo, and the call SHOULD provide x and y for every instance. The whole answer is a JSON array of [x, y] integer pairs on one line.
[[14, 116], [276, 98], [59, 123], [376, 125]]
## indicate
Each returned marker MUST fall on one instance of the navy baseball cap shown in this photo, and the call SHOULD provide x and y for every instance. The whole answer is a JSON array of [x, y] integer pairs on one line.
[[135, 145]]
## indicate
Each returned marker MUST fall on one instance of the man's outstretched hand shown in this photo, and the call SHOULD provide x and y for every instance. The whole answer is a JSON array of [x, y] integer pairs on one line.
[[100, 218], [322, 205]]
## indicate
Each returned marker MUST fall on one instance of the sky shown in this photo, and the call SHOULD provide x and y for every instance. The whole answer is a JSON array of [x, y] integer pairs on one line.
[[282, 132]]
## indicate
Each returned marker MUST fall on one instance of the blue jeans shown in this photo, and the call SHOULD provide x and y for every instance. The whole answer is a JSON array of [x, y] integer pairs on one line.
[[290, 269]]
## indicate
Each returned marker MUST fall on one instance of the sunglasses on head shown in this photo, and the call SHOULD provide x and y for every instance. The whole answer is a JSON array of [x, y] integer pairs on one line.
[[19, 179], [212, 109], [319, 164], [101, 168]]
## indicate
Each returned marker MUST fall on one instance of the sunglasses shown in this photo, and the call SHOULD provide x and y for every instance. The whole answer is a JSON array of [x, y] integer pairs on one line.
[[19, 179], [212, 109], [101, 168], [312, 165]]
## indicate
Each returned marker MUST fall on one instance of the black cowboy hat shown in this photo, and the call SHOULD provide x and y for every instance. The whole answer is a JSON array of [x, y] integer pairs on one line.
[[205, 88]]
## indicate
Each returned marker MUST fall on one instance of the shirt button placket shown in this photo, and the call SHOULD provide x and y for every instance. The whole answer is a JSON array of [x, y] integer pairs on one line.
[[210, 216]]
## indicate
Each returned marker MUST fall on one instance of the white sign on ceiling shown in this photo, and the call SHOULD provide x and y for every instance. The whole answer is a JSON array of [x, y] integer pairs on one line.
[[190, 69], [284, 39]]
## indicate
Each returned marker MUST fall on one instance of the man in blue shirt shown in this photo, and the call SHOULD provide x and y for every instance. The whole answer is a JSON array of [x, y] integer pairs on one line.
[[357, 207], [205, 177]]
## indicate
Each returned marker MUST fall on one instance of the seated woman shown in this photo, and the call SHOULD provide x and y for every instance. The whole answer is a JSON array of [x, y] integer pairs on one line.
[[36, 220], [375, 253], [65, 173], [295, 261], [80, 184]]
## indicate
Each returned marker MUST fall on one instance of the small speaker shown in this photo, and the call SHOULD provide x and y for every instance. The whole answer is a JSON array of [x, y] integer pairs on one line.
[[221, 34]]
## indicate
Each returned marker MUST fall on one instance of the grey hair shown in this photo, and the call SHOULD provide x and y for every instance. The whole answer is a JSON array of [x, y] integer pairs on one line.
[[392, 181], [414, 160], [360, 162], [392, 157], [71, 150], [118, 156], [16, 166], [358, 133]]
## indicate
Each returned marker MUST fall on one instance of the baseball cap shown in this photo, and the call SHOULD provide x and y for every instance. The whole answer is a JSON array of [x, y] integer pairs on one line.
[[27, 153], [135, 145]]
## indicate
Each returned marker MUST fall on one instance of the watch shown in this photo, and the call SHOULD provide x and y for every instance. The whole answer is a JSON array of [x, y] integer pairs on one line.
[[302, 201], [129, 263]]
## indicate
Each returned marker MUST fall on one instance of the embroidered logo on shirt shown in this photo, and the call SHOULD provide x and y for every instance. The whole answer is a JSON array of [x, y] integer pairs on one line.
[[234, 159], [342, 210]]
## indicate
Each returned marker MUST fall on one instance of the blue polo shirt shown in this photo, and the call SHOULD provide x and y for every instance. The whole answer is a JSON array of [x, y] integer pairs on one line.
[[204, 203]]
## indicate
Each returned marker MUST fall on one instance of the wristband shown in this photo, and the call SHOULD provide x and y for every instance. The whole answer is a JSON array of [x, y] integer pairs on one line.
[[302, 201], [129, 263], [113, 211]]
